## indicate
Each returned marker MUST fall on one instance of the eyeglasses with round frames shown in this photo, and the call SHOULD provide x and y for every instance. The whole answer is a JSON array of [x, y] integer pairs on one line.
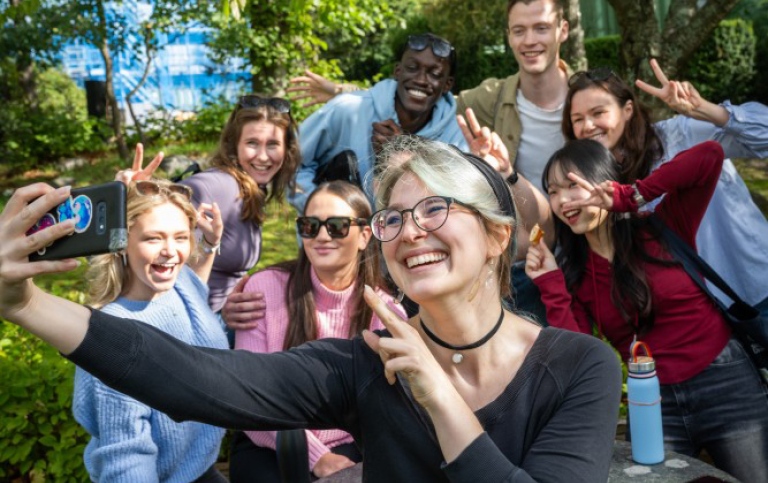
[[336, 226], [429, 214], [151, 188]]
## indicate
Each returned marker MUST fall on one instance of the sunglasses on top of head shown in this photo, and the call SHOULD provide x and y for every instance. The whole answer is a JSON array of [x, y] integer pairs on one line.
[[599, 74], [337, 226], [279, 104], [150, 188], [441, 48]]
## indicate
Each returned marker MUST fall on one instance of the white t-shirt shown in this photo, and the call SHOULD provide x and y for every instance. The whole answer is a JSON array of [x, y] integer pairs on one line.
[[541, 137]]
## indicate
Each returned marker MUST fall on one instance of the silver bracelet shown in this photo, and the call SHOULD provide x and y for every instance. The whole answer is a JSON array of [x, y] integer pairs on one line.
[[207, 248]]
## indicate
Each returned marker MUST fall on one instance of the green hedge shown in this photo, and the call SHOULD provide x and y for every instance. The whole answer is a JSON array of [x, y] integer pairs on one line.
[[41, 439], [603, 51], [55, 125], [724, 66]]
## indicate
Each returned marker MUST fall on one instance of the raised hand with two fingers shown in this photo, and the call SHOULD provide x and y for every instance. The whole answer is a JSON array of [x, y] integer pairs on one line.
[[485, 143], [136, 172], [600, 195]]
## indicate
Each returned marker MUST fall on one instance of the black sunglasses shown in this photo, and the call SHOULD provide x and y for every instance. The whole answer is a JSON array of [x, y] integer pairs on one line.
[[441, 48], [277, 103], [599, 74], [337, 226]]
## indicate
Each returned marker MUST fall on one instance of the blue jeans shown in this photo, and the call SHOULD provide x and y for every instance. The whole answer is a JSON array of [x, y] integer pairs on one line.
[[724, 410], [527, 298]]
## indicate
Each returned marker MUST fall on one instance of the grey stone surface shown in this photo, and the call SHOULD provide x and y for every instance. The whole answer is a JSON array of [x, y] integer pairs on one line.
[[676, 468], [175, 164]]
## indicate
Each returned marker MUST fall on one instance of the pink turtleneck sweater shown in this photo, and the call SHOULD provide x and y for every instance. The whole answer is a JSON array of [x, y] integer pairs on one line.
[[333, 322]]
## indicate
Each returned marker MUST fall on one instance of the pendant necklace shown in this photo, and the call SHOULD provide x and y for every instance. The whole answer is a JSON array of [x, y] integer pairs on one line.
[[458, 356]]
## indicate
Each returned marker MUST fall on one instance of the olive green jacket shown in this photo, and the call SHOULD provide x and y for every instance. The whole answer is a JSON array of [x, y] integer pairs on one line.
[[494, 102]]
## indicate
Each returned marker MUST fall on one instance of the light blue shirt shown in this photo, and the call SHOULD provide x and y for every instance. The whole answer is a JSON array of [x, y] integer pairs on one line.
[[346, 122], [733, 237]]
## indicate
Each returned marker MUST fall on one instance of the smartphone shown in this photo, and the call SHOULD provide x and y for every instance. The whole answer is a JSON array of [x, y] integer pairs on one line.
[[100, 223]]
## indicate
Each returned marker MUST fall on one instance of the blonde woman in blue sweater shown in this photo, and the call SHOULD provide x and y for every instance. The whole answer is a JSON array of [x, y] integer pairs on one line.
[[131, 442]]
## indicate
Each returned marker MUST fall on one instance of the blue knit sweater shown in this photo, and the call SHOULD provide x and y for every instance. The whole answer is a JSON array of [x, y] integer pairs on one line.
[[131, 442]]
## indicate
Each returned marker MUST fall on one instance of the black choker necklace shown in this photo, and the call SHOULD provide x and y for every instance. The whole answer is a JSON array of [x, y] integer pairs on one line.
[[458, 357]]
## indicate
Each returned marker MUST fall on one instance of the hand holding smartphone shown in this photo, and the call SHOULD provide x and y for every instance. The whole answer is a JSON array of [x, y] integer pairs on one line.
[[99, 212]]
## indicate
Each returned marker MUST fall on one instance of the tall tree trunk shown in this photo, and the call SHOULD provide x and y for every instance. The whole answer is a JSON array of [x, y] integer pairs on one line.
[[116, 118], [270, 76], [573, 50], [129, 96], [687, 25], [25, 64]]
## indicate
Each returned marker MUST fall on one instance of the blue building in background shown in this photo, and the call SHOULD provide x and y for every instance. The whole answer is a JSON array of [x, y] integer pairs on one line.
[[181, 76]]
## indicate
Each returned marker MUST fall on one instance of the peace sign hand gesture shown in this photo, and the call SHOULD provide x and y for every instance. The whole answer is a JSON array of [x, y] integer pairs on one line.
[[679, 96], [600, 195], [485, 143], [136, 173]]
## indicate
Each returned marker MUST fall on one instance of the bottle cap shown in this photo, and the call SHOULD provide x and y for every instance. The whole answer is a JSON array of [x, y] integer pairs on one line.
[[641, 364]]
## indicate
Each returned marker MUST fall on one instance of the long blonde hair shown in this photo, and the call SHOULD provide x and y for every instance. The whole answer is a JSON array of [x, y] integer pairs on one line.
[[107, 275]]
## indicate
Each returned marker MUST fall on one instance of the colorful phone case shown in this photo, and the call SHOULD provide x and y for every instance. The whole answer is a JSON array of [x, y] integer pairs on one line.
[[100, 223]]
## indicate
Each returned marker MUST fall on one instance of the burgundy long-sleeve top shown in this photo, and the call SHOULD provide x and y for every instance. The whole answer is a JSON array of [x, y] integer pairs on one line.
[[689, 331]]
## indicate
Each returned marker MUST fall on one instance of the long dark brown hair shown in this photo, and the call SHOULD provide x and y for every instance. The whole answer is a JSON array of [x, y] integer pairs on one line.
[[639, 146], [225, 158], [302, 326], [630, 292]]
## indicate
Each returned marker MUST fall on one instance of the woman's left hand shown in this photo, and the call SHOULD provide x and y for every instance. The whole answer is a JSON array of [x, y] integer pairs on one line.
[[210, 223], [137, 173], [600, 195], [405, 353]]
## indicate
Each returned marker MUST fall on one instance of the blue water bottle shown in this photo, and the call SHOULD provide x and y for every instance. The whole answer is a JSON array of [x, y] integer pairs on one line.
[[644, 401]]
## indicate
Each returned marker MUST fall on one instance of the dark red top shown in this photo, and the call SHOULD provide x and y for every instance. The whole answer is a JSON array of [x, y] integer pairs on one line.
[[689, 331]]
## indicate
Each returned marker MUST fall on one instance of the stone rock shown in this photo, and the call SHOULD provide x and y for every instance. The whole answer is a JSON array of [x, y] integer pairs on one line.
[[63, 181], [175, 164], [70, 164]]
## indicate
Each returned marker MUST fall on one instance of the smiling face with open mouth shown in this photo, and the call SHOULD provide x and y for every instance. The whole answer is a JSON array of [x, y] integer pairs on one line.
[[261, 150], [562, 190], [422, 77], [429, 265], [535, 35], [159, 243], [596, 114]]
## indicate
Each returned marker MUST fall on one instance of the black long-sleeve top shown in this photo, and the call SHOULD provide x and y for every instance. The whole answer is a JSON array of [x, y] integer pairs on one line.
[[555, 421]]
